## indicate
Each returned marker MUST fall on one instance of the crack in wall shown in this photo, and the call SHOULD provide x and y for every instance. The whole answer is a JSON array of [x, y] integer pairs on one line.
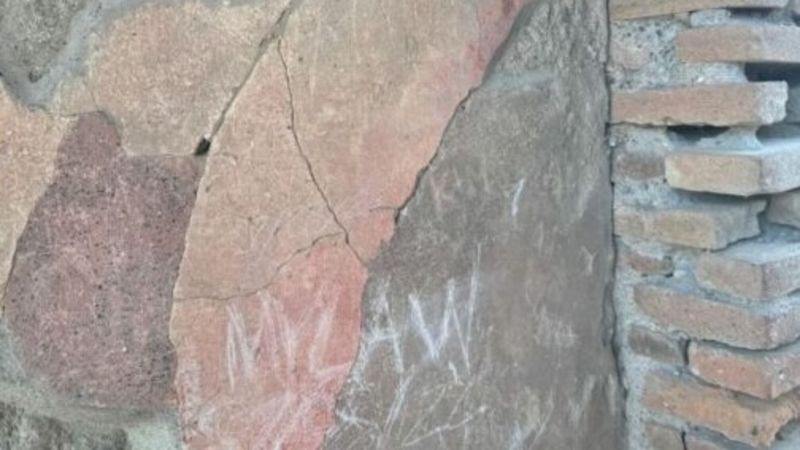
[[274, 34], [278, 270], [301, 152]]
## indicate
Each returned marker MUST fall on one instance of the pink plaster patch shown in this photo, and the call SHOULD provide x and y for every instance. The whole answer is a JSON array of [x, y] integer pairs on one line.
[[266, 372]]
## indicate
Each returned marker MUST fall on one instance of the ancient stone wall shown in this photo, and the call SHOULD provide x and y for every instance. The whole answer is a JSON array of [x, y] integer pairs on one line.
[[301, 224], [706, 170]]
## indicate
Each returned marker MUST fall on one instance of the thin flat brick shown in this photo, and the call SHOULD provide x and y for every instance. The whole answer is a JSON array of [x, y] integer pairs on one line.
[[785, 209], [744, 173], [752, 421], [637, 166], [757, 271], [718, 105], [740, 44], [711, 226], [761, 374], [751, 327], [645, 263], [660, 437], [632, 9], [655, 345]]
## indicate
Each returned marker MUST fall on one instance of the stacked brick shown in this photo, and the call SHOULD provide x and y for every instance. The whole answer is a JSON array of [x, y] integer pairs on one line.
[[706, 157]]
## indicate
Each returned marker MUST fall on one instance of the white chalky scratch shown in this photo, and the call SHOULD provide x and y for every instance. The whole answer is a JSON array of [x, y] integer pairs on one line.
[[433, 344], [240, 354], [515, 198]]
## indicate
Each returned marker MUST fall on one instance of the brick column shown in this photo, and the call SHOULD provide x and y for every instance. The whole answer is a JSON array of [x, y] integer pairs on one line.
[[706, 149]]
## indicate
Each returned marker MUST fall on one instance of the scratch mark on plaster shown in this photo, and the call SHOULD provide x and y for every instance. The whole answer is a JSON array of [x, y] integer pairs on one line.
[[454, 328], [439, 430], [515, 198], [432, 344], [240, 352]]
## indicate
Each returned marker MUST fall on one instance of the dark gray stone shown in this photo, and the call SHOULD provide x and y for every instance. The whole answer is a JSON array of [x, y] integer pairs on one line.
[[486, 321]]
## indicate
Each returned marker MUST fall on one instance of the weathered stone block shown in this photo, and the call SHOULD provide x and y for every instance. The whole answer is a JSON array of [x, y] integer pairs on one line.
[[757, 271], [155, 70], [89, 296], [744, 173], [785, 209], [632, 9], [751, 421], [660, 437], [655, 345], [643, 262], [636, 166], [766, 375], [712, 226], [750, 327], [740, 43], [638, 153], [721, 105]]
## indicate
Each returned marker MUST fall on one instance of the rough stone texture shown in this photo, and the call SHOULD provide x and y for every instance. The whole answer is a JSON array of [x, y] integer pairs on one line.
[[757, 327], [28, 143], [765, 375], [631, 9], [712, 226], [320, 147], [32, 33], [785, 209], [89, 295], [740, 43], [757, 271], [638, 154], [472, 326], [660, 437], [20, 430], [645, 263], [745, 420], [161, 77], [656, 345], [718, 105], [766, 171], [258, 204]]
